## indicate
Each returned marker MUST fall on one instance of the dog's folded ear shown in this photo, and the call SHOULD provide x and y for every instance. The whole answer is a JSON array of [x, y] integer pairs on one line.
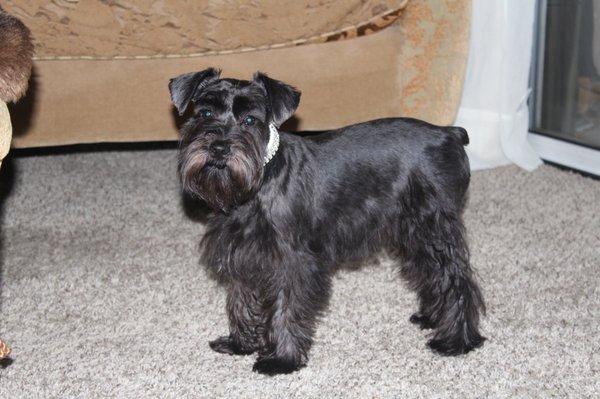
[[283, 98], [184, 87]]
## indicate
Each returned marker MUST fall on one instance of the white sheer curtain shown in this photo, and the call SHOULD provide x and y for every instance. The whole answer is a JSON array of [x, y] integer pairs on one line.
[[494, 106]]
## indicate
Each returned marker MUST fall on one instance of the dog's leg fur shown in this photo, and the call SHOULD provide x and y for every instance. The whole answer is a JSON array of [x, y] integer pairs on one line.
[[436, 265], [293, 315], [246, 322]]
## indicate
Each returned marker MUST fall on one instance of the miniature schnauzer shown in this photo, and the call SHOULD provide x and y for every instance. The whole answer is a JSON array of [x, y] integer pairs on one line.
[[288, 210]]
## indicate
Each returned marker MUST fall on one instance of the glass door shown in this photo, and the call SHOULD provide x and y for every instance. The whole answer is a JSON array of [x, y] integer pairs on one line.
[[565, 120]]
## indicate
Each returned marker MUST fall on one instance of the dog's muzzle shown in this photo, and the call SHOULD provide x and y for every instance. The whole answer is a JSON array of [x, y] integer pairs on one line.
[[219, 149]]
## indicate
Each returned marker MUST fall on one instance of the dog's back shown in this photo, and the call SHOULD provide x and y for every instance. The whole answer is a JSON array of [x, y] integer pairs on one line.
[[380, 155], [378, 172], [407, 140]]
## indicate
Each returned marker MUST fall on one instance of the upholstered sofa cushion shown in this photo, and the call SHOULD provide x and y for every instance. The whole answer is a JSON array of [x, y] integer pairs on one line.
[[127, 28]]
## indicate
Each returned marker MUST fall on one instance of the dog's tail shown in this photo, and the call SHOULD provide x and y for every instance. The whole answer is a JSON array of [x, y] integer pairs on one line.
[[460, 133]]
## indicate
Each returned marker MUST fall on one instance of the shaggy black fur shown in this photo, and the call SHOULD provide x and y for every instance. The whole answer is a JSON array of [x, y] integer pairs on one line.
[[280, 230]]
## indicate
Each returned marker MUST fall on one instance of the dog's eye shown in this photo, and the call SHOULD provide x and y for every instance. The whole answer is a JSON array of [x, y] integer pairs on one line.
[[249, 120], [206, 113]]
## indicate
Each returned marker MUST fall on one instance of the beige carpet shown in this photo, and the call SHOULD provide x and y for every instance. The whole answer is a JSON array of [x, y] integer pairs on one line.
[[103, 294]]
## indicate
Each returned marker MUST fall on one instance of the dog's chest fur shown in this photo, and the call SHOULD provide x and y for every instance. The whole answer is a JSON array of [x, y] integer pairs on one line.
[[266, 227]]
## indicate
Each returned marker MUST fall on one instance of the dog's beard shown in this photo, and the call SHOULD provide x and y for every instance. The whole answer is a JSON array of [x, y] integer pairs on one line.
[[225, 183]]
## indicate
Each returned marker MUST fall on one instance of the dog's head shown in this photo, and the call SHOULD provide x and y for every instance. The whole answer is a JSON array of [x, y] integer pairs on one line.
[[231, 133]]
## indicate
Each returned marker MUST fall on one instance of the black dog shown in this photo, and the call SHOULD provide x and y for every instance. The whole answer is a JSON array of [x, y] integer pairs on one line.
[[290, 209]]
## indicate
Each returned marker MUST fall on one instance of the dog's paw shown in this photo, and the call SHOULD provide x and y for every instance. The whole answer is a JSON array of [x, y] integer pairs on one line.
[[455, 347], [274, 365], [228, 346], [424, 322]]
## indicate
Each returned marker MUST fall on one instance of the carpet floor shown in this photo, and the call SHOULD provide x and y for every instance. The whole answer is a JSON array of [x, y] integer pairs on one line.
[[103, 294]]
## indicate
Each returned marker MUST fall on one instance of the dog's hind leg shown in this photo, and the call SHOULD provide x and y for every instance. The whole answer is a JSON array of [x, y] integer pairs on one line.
[[246, 322], [436, 266], [300, 296]]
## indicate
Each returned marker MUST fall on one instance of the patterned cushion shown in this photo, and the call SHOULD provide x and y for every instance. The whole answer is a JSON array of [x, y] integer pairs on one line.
[[147, 28]]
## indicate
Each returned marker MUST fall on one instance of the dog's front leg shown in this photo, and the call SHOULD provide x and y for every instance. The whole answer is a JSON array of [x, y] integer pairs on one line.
[[246, 322], [299, 297]]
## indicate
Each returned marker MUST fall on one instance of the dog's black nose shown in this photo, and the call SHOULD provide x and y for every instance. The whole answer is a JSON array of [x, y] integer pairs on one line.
[[219, 148]]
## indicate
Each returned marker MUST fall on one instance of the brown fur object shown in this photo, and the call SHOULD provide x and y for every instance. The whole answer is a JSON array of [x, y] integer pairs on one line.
[[16, 51]]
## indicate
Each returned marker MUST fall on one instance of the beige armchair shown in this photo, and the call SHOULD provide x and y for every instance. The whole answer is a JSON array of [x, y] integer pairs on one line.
[[101, 68]]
